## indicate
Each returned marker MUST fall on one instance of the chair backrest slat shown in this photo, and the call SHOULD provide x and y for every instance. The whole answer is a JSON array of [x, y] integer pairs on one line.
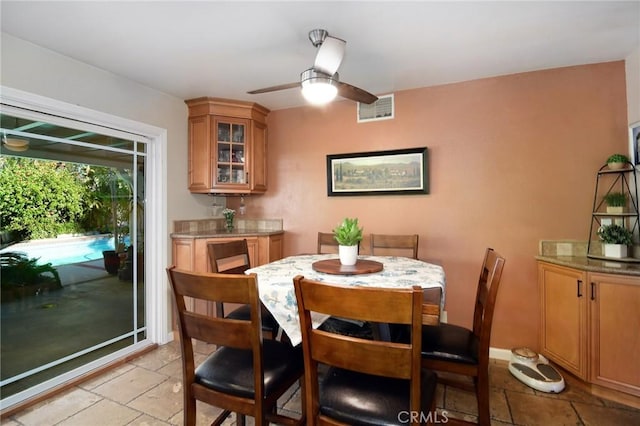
[[382, 244], [231, 257], [348, 352], [326, 243], [363, 303], [233, 333]]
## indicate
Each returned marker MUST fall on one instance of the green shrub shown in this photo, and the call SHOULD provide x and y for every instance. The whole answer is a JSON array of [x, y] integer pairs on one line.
[[38, 198], [18, 270], [616, 199], [615, 234], [618, 158]]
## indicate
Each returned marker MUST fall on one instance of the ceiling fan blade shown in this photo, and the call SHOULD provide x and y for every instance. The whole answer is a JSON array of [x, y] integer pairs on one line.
[[355, 93], [329, 56], [275, 88]]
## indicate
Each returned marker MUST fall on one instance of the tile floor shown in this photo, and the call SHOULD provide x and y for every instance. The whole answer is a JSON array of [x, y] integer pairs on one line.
[[148, 391]]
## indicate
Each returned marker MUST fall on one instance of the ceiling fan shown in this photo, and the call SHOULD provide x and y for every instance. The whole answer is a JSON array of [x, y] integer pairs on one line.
[[321, 83]]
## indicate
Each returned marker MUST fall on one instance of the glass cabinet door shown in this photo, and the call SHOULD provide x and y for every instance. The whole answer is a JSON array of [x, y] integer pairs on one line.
[[231, 152]]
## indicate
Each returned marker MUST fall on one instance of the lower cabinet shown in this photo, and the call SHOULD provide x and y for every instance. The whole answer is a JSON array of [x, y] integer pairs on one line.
[[590, 325], [191, 254]]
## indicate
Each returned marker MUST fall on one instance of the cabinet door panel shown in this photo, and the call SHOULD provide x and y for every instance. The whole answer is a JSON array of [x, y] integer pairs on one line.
[[258, 176], [199, 154], [615, 331], [564, 317]]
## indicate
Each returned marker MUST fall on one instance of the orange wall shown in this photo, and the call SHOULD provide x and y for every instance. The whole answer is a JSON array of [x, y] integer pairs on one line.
[[512, 161]]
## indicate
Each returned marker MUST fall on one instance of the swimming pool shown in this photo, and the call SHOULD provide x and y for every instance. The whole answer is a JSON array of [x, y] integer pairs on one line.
[[64, 250]]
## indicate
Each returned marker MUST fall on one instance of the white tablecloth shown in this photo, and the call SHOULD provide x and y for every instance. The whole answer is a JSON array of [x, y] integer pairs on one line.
[[275, 282]]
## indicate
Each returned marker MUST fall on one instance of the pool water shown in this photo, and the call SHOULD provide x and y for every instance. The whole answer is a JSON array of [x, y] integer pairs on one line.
[[63, 251]]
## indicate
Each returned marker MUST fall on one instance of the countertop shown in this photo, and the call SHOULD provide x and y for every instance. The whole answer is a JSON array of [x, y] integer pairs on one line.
[[220, 233], [215, 228], [593, 265]]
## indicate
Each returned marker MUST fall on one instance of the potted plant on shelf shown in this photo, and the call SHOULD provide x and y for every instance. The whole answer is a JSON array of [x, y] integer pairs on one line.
[[617, 161], [348, 235], [615, 239], [616, 202]]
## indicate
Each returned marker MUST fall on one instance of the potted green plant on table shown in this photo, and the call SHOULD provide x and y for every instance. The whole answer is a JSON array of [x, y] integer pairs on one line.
[[617, 161], [616, 202], [615, 239], [348, 235]]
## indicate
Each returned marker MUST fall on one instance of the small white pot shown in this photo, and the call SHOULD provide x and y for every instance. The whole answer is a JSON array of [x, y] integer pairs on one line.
[[615, 250], [348, 255], [615, 209]]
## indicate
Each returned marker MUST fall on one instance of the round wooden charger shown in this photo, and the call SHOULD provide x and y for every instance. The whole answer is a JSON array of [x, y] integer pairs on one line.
[[333, 266]]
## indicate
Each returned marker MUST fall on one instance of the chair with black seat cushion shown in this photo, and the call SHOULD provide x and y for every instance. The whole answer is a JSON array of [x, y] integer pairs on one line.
[[326, 243], [368, 382], [232, 257], [245, 374], [406, 245], [462, 351]]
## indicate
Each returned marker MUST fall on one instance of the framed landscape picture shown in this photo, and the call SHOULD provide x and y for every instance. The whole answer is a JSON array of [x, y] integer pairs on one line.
[[401, 171]]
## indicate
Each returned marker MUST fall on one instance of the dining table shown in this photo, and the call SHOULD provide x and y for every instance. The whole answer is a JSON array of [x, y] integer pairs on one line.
[[275, 283]]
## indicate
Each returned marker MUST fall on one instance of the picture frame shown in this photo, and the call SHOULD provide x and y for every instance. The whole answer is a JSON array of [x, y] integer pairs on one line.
[[392, 172], [634, 142]]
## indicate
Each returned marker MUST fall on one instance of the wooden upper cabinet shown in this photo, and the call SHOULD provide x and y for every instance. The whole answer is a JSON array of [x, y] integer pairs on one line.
[[227, 146]]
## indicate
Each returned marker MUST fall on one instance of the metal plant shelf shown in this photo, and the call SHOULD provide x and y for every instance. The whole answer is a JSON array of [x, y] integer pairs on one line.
[[618, 181]]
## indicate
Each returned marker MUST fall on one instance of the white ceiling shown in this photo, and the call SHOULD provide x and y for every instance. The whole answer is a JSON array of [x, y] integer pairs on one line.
[[224, 49]]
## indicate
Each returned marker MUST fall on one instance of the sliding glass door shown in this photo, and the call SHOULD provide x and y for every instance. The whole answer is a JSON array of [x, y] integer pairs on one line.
[[72, 254]]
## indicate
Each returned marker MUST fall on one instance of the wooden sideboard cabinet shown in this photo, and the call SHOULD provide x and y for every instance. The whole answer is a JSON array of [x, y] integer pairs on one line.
[[227, 146], [590, 325], [191, 254]]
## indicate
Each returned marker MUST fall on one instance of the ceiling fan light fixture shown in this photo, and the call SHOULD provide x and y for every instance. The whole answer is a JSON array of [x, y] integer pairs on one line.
[[13, 143], [319, 88]]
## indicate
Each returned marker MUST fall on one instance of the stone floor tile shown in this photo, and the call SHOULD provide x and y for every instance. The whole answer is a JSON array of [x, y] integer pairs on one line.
[[174, 368], [528, 409], [500, 377], [460, 401], [203, 348], [158, 358], [593, 415], [439, 396], [291, 401], [146, 420], [130, 385], [57, 409], [9, 422], [110, 413], [162, 401], [573, 393], [103, 378]]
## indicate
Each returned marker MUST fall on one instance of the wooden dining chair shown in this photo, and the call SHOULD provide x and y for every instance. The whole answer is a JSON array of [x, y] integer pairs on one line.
[[246, 374], [463, 351], [232, 257], [367, 382], [326, 243], [382, 244]]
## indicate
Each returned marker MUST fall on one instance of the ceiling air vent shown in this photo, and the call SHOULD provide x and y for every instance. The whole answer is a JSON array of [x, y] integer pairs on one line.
[[382, 109]]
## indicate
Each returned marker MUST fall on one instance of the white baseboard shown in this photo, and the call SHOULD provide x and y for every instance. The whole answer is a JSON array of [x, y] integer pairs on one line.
[[501, 354]]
